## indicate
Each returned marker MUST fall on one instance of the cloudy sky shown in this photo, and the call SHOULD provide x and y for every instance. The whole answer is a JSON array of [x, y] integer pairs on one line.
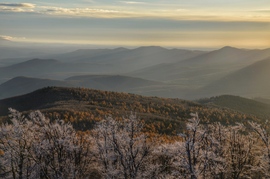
[[168, 23]]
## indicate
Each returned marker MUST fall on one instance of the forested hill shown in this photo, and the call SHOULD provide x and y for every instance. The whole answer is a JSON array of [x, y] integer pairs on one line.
[[244, 105], [83, 107]]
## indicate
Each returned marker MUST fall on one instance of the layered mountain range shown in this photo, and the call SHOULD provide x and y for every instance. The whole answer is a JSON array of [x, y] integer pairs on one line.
[[151, 71]]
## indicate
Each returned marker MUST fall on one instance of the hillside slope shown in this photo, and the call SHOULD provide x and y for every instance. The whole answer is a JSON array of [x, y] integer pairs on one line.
[[203, 69], [22, 85], [32, 68], [111, 82], [83, 107], [251, 81], [50, 68], [244, 105]]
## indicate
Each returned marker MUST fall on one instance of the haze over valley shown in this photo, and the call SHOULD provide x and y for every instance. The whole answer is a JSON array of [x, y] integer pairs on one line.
[[147, 70]]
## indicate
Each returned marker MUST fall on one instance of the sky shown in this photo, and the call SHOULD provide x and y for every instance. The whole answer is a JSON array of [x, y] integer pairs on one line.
[[168, 23]]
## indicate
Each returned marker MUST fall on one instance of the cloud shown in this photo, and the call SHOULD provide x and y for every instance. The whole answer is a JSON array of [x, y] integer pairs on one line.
[[9, 38], [5, 9], [263, 10], [50, 10], [151, 13], [132, 2], [5, 37], [18, 5], [90, 1], [83, 12], [78, 11]]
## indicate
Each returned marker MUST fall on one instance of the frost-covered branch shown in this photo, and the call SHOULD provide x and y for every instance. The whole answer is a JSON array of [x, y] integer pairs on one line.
[[122, 148]]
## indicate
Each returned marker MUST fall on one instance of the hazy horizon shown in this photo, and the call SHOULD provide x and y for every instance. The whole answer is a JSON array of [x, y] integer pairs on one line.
[[69, 47]]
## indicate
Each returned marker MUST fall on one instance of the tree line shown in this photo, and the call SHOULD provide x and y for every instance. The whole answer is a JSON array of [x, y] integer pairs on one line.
[[34, 146]]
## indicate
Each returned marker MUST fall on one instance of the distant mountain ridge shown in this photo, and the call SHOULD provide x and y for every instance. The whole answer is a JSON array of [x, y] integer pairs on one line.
[[205, 68], [110, 82], [22, 85], [122, 60], [187, 74], [252, 81], [147, 55], [32, 68], [92, 61], [49, 68]]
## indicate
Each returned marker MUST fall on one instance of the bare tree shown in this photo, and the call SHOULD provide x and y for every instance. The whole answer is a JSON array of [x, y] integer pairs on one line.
[[214, 151], [262, 131], [15, 142], [123, 150], [35, 147], [239, 152], [39, 148], [196, 155]]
